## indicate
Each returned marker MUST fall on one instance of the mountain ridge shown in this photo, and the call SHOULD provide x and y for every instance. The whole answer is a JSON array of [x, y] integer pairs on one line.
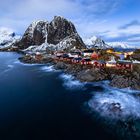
[[58, 34], [43, 34]]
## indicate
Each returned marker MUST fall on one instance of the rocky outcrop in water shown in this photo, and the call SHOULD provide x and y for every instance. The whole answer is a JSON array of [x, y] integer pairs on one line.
[[91, 75], [31, 60], [123, 81], [85, 73]]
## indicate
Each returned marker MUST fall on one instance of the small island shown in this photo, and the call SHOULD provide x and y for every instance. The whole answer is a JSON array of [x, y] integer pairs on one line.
[[58, 43]]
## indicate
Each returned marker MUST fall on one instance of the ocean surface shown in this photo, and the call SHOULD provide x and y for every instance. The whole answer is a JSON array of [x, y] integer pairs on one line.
[[38, 102]]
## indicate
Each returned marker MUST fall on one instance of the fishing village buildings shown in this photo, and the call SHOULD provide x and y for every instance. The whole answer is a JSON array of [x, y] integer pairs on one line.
[[94, 58]]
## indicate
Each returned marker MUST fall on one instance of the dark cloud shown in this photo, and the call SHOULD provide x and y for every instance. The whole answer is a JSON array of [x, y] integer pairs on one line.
[[132, 23]]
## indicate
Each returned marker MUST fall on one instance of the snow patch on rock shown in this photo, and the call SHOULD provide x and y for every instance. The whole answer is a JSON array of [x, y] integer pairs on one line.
[[122, 45], [96, 42], [7, 37]]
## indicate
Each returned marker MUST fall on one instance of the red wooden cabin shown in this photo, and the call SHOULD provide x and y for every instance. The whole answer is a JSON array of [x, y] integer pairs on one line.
[[124, 65], [86, 61], [99, 64], [77, 60], [94, 56]]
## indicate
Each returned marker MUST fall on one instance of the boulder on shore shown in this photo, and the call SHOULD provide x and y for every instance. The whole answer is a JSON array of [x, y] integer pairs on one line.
[[91, 75], [122, 81]]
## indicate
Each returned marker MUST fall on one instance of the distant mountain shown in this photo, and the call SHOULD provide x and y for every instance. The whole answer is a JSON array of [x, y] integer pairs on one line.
[[59, 34], [120, 45], [96, 42], [7, 37]]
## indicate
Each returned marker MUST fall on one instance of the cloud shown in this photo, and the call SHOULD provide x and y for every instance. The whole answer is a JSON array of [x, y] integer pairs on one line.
[[98, 7], [22, 13], [130, 24], [85, 14], [134, 39], [129, 36]]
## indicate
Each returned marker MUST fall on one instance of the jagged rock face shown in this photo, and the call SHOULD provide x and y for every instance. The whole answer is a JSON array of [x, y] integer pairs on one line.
[[34, 35], [71, 42], [125, 82], [96, 42], [7, 38], [59, 33], [59, 29], [40, 32]]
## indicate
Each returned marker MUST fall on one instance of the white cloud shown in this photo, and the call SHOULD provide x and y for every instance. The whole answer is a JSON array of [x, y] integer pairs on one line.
[[42, 8], [22, 12]]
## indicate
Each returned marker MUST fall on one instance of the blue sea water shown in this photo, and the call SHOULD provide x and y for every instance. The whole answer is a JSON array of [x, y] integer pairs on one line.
[[38, 102]]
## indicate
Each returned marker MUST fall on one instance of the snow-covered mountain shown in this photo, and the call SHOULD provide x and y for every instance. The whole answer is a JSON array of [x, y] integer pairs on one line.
[[7, 37], [59, 34], [122, 45], [96, 42]]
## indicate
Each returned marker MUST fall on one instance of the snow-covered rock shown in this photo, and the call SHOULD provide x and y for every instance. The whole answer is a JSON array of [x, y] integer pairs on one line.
[[59, 34], [35, 35], [36, 48], [7, 37], [71, 42], [122, 45], [96, 42], [67, 44], [60, 28]]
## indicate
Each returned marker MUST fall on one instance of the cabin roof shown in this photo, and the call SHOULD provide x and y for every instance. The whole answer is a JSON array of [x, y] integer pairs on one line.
[[102, 62], [65, 55], [75, 53], [79, 58], [111, 62], [88, 51], [87, 59], [124, 62]]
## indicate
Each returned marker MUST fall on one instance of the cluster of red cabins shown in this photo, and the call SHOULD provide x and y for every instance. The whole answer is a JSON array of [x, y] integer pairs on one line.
[[95, 62]]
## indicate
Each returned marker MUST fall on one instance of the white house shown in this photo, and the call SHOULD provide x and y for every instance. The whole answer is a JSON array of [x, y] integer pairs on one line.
[[87, 53], [111, 63]]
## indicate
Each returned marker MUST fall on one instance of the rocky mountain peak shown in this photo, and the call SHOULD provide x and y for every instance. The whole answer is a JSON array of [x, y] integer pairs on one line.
[[55, 32], [59, 28], [40, 26], [7, 37], [34, 35], [122, 45], [96, 42]]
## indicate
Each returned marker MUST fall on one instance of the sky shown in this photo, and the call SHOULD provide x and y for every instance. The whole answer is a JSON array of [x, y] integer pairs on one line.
[[112, 20]]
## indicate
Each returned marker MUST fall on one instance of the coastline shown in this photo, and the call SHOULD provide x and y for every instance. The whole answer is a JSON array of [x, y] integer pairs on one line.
[[87, 73]]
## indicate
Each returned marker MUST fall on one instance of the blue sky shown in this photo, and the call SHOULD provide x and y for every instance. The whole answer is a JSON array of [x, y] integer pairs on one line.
[[113, 20]]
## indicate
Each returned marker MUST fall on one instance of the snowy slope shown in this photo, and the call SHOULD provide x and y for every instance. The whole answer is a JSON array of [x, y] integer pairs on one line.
[[37, 48], [69, 43], [7, 37], [96, 42], [37, 25], [122, 45]]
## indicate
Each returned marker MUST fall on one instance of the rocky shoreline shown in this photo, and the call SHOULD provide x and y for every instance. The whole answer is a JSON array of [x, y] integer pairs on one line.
[[85, 73]]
